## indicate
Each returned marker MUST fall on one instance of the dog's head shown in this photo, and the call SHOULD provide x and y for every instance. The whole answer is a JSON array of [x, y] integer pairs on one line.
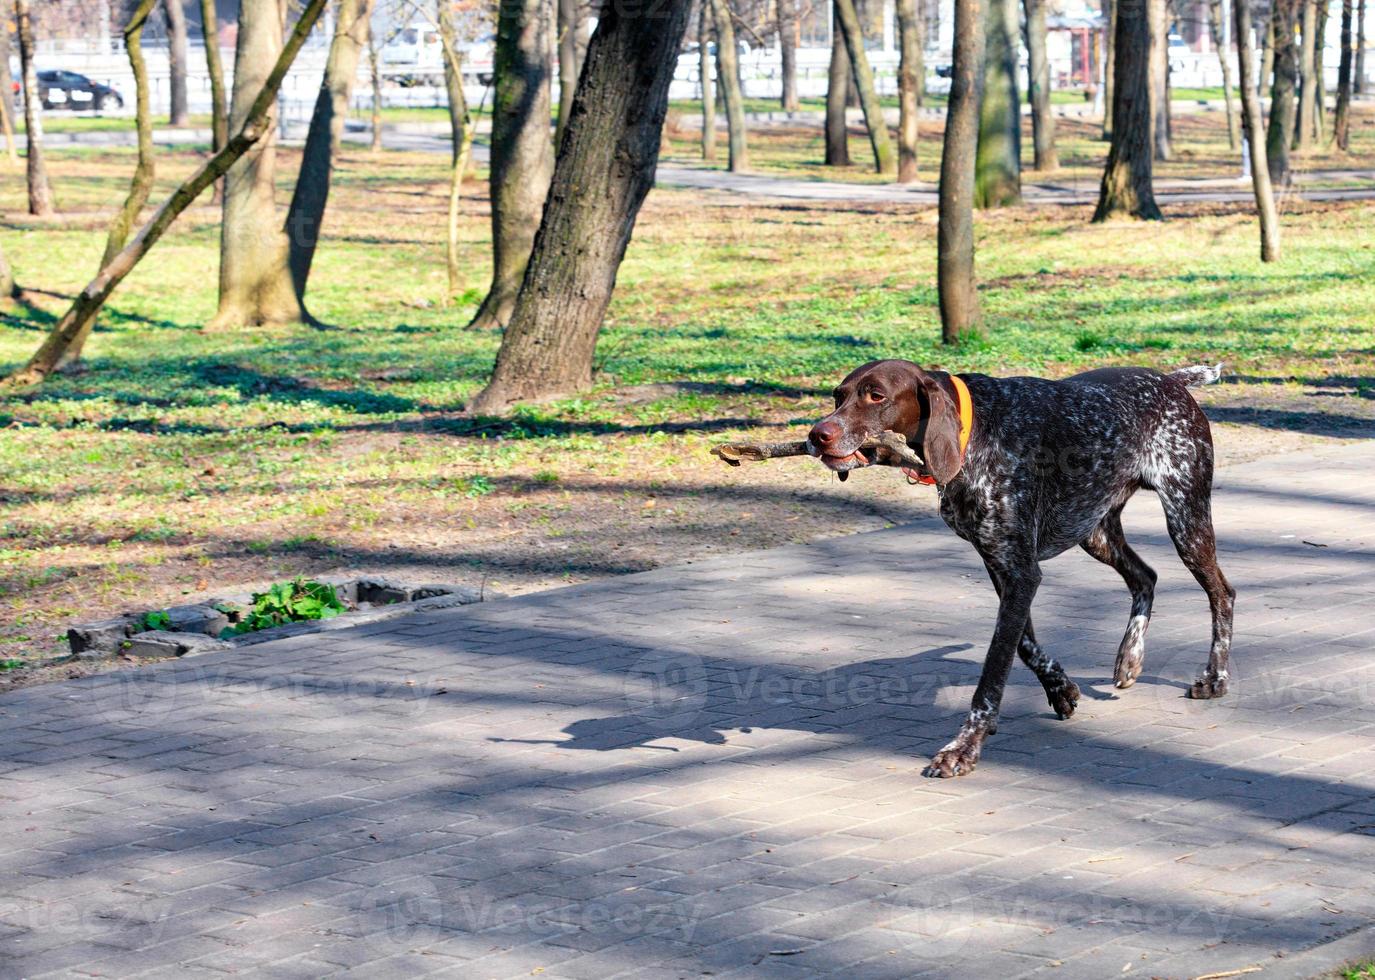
[[889, 395]]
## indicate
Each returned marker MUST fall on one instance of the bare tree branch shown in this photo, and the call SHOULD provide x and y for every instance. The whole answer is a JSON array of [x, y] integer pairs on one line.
[[891, 450]]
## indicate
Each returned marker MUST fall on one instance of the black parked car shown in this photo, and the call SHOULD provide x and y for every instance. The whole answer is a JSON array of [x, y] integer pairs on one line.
[[68, 90]]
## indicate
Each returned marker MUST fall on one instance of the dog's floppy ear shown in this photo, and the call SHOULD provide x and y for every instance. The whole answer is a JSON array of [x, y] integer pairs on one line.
[[940, 445]]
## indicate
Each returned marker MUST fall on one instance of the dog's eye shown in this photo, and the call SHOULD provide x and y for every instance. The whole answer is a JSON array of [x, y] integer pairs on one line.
[[875, 396]]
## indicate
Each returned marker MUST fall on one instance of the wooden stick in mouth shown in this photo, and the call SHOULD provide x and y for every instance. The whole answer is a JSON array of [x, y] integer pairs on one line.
[[891, 450]]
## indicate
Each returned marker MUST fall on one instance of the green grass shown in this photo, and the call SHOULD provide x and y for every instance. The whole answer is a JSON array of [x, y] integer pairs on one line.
[[1362, 971], [1213, 94], [183, 452], [67, 122], [433, 114], [56, 121]]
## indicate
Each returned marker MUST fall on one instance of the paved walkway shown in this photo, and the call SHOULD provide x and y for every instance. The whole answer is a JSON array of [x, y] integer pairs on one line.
[[1360, 186], [714, 769], [1310, 185]]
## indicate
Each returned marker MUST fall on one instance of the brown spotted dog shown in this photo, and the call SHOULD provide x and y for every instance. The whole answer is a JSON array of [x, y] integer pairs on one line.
[[1048, 465]]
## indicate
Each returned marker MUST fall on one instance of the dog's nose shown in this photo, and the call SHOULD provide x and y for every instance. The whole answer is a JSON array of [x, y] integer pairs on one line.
[[824, 434]]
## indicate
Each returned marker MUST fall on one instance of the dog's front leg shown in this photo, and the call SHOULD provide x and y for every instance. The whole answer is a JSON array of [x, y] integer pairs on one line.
[[1014, 608]]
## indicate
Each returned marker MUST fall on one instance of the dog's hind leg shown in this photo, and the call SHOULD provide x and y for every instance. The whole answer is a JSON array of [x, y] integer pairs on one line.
[[1189, 518], [1108, 544], [1061, 692]]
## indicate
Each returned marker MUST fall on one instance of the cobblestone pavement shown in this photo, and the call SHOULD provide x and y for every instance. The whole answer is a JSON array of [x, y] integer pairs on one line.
[[714, 769]]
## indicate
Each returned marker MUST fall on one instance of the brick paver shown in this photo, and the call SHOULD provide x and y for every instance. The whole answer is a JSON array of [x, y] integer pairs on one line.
[[715, 768]]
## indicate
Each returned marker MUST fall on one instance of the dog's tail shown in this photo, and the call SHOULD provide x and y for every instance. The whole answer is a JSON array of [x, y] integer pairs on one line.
[[1198, 375]]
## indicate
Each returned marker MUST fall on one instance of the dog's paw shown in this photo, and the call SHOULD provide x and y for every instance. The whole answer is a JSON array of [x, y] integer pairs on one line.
[[1127, 668], [957, 759], [1130, 653], [1064, 699], [1208, 686]]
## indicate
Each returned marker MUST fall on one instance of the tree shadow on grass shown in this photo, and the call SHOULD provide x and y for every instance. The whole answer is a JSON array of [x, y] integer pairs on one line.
[[458, 426], [34, 317], [253, 385], [1362, 386], [1311, 423]]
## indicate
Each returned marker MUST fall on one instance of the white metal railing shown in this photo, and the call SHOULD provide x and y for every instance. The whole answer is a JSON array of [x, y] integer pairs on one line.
[[761, 69]]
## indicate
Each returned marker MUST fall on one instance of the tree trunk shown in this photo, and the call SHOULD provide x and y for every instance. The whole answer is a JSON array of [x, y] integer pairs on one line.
[[178, 114], [919, 59], [1157, 12], [728, 74], [910, 72], [375, 77], [7, 86], [7, 125], [454, 60], [1267, 53], [569, 21], [219, 119], [1319, 80], [879, 139], [1308, 89], [1126, 190], [787, 49], [1109, 67], [1038, 84], [255, 283], [40, 191], [1358, 84], [463, 149], [460, 167], [256, 126], [998, 180], [1168, 101], [1280, 135], [453, 78], [307, 211], [522, 154], [706, 69], [8, 290], [959, 298], [605, 168], [837, 98], [1251, 123], [142, 184], [1225, 63], [1341, 119]]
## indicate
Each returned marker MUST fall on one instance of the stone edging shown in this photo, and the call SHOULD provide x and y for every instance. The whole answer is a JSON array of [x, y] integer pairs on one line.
[[195, 628]]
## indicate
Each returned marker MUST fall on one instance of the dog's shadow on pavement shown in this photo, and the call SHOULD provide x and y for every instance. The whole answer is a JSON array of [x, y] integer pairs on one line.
[[679, 696]]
